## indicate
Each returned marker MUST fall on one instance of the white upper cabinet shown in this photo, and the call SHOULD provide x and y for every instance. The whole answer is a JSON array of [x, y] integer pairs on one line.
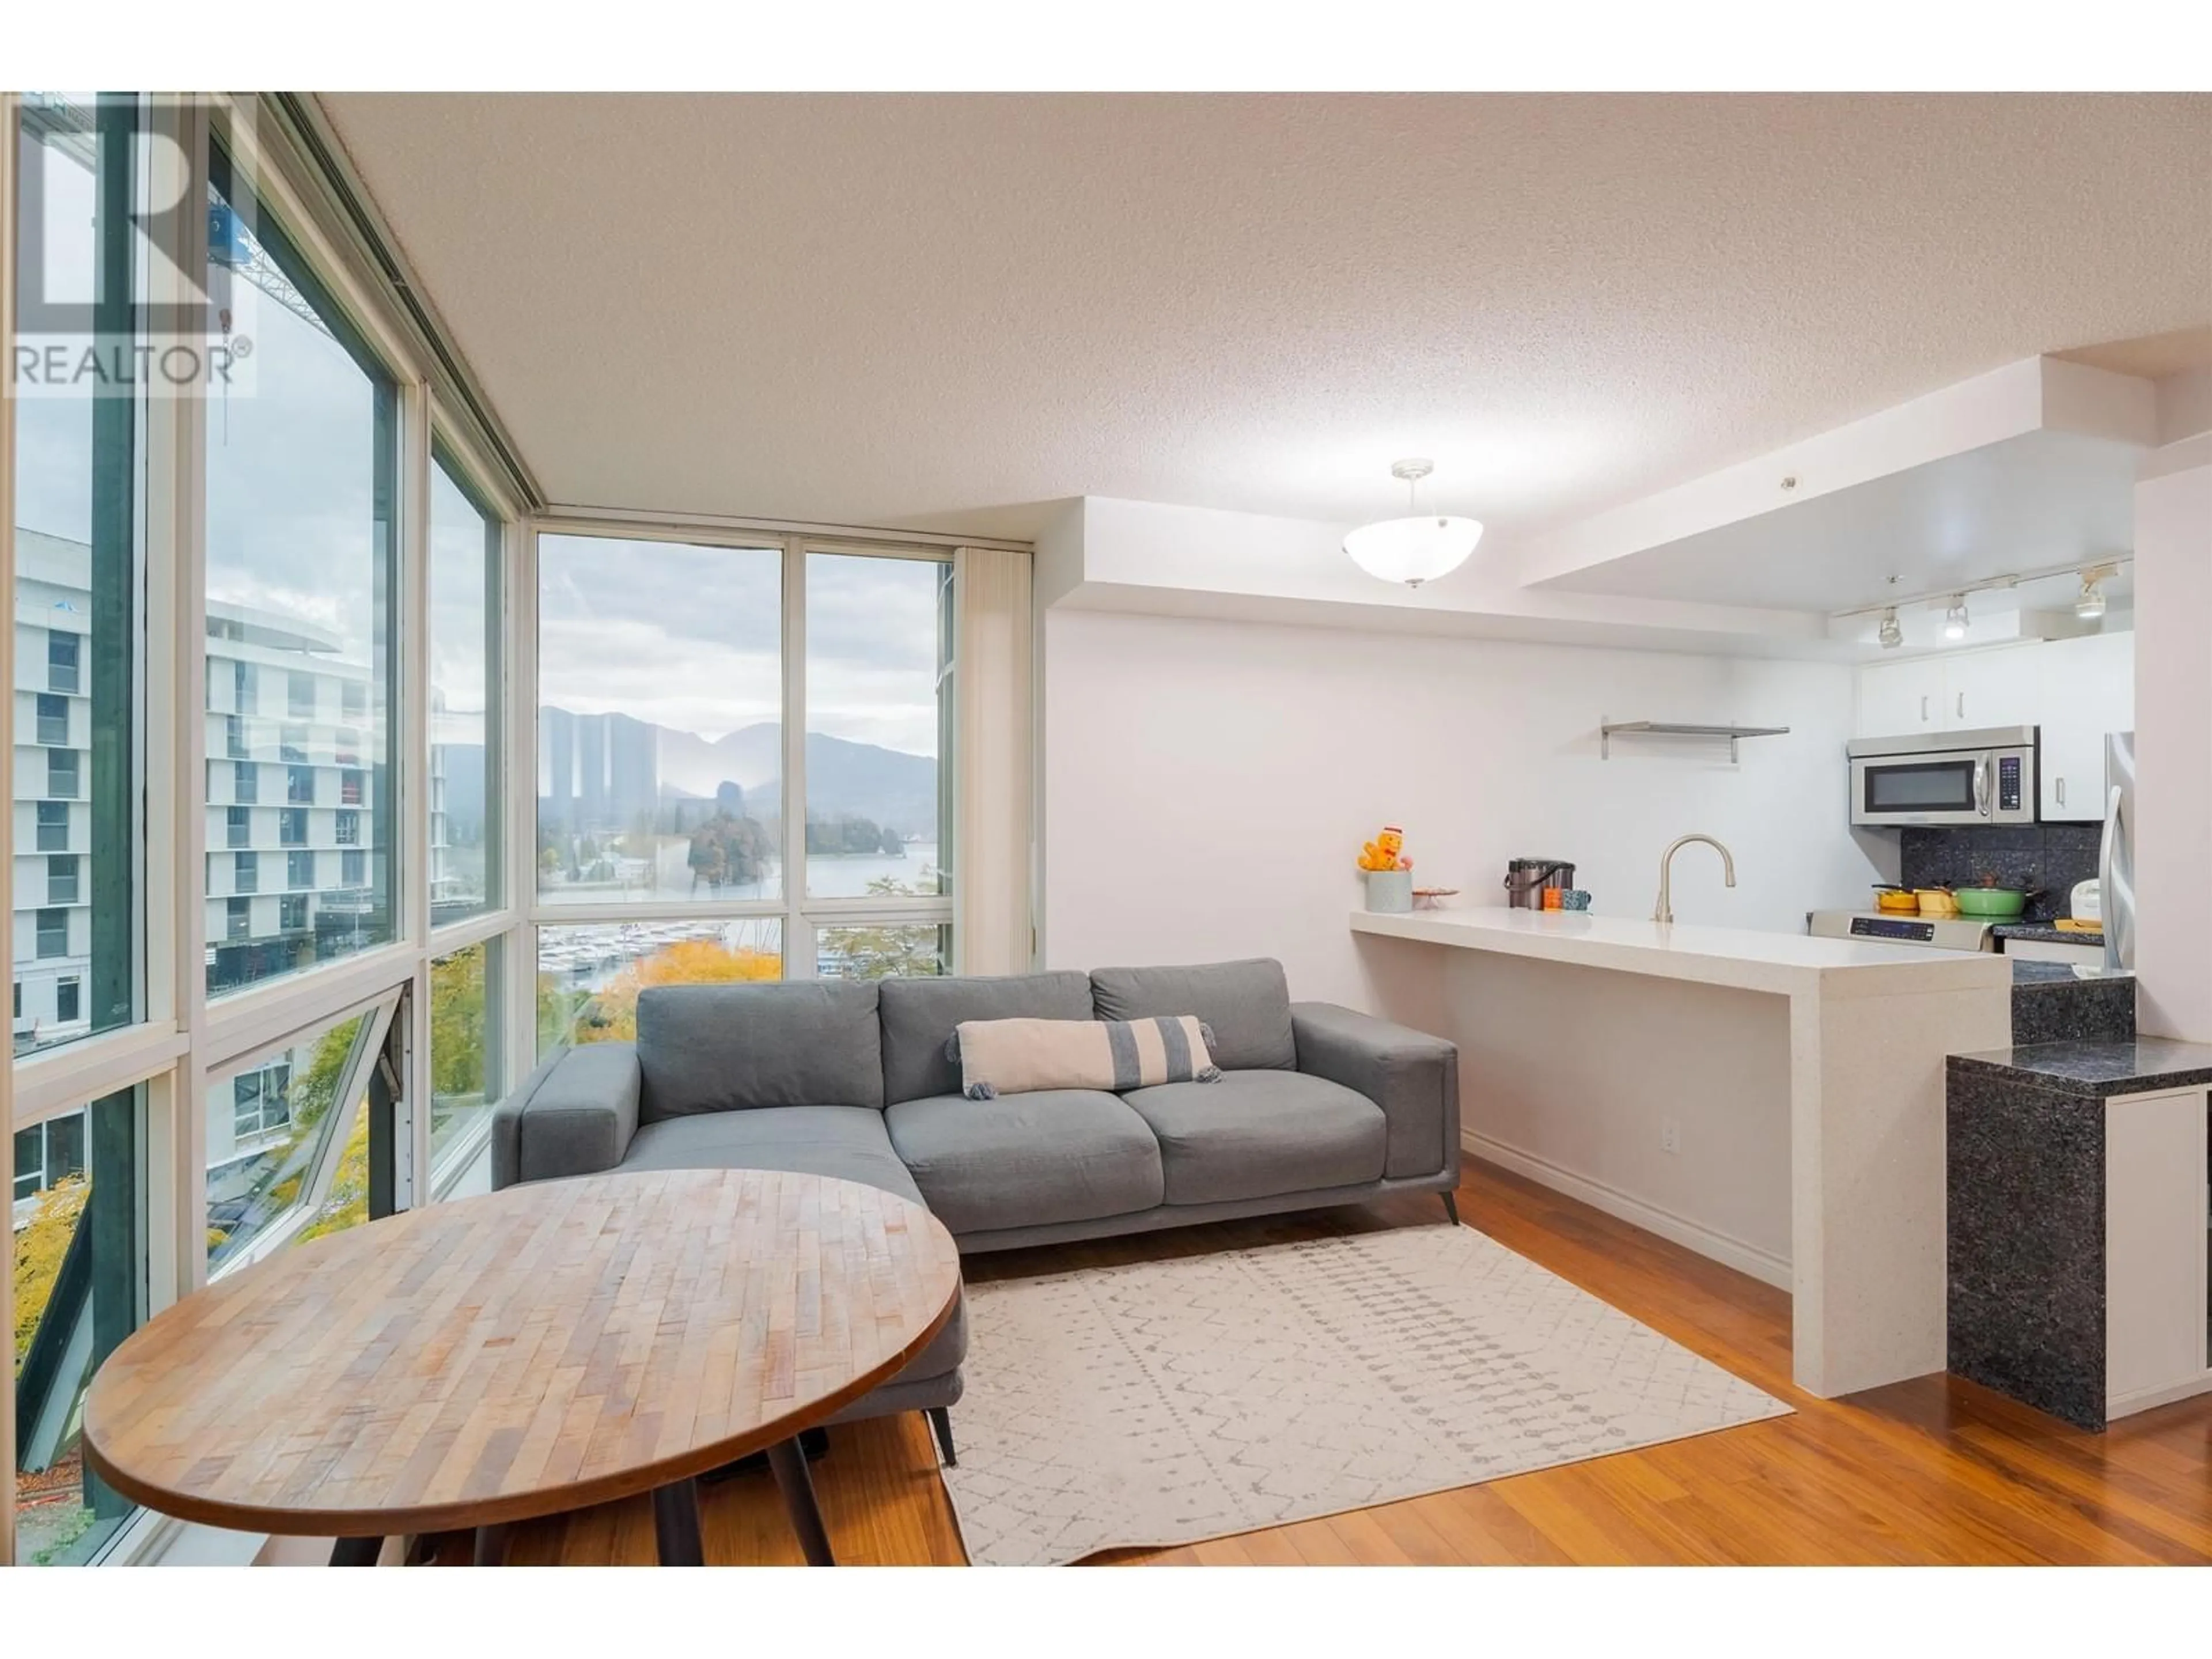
[[1991, 688], [2077, 690], [1897, 699], [1948, 694], [2089, 691]]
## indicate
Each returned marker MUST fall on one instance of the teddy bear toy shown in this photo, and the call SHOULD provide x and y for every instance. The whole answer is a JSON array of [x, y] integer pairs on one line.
[[1386, 851]]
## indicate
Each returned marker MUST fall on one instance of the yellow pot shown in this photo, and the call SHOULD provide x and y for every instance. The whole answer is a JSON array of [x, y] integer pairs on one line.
[[1937, 901], [1895, 902]]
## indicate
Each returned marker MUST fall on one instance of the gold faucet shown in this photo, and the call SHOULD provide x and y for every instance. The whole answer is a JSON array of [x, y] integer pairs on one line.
[[1663, 912]]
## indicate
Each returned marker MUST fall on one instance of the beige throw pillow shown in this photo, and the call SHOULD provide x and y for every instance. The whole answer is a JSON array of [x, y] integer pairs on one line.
[[1015, 1056]]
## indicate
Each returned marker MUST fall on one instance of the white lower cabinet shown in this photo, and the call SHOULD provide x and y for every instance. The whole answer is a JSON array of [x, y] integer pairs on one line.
[[2155, 1239]]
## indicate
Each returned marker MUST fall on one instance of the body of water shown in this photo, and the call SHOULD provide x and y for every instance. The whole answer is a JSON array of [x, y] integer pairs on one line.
[[586, 956]]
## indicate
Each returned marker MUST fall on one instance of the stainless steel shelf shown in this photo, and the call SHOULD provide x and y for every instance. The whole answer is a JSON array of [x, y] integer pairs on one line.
[[1669, 729]]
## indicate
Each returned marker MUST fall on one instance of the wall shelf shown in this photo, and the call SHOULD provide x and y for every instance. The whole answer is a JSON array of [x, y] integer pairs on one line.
[[1669, 729]]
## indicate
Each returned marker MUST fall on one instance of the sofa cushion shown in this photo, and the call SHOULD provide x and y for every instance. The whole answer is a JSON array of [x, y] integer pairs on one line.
[[1246, 1006], [918, 1016], [1029, 1159], [847, 1142], [724, 1047], [1257, 1134], [1019, 1056]]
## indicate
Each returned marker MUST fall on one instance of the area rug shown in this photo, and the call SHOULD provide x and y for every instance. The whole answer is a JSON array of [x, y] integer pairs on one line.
[[1172, 1401]]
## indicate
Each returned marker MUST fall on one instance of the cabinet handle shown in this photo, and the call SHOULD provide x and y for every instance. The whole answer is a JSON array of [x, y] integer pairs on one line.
[[2062, 792], [1923, 706], [1962, 705]]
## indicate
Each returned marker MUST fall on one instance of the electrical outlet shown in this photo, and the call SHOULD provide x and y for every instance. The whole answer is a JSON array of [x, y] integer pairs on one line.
[[1670, 1135]]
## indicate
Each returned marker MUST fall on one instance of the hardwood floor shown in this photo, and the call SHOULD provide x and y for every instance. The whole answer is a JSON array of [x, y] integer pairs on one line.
[[1935, 1470]]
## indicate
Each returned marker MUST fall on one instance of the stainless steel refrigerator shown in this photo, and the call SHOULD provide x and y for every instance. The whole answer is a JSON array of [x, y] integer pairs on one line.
[[2116, 857]]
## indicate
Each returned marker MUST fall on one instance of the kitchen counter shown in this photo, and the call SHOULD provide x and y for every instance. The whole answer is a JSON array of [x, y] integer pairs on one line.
[[1786, 963], [2095, 1071], [1772, 1101], [2046, 934], [2030, 970], [2076, 1222], [2070, 1002]]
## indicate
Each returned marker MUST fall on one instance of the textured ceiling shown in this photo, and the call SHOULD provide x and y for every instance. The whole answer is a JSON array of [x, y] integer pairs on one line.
[[938, 312]]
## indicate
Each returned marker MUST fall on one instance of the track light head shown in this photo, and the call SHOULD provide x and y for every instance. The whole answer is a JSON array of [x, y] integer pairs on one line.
[[2089, 603]]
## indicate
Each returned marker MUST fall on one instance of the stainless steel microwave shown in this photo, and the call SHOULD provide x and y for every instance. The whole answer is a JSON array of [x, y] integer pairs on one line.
[[1945, 777]]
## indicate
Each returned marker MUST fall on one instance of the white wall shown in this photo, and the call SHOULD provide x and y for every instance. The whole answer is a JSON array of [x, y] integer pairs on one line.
[[2173, 743], [1207, 784]]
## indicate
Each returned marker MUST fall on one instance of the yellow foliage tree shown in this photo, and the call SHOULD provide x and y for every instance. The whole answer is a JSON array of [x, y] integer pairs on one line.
[[348, 1203], [613, 1017], [40, 1247]]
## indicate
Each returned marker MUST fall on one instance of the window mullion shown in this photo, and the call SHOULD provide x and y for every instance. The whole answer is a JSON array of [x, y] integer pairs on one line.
[[519, 671], [10, 150], [413, 833], [798, 952]]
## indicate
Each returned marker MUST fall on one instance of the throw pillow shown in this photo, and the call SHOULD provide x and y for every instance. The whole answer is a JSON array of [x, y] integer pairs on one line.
[[1015, 1056]]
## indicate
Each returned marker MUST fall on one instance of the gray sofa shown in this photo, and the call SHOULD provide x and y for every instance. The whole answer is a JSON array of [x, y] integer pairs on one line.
[[1315, 1105]]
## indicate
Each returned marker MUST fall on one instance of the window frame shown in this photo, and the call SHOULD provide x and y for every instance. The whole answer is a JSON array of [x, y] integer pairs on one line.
[[801, 915], [179, 1039]]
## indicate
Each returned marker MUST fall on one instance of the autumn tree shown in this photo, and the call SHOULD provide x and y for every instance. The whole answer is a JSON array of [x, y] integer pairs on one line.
[[612, 1016], [40, 1247]]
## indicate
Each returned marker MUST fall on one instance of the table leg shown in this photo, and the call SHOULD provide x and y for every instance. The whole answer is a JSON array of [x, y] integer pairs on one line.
[[356, 1552], [490, 1546], [792, 1480], [675, 1524]]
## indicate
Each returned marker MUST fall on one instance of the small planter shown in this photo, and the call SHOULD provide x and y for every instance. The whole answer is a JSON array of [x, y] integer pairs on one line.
[[1389, 892]]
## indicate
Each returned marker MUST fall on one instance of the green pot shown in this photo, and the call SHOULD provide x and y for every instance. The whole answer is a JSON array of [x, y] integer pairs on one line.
[[1992, 903]]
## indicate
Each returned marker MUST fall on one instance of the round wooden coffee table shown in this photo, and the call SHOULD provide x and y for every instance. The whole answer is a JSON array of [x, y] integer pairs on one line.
[[557, 1345]]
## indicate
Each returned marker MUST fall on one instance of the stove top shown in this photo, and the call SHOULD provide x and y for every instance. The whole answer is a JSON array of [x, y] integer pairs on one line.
[[1887, 927]]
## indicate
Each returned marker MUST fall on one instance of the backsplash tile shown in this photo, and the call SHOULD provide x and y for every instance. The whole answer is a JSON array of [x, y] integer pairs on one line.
[[2050, 856]]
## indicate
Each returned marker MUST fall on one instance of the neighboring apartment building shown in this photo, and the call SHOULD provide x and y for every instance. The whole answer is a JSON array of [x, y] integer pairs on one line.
[[291, 821], [51, 889]]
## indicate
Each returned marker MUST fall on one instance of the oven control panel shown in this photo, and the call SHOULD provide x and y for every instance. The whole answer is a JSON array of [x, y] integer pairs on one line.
[[1894, 928]]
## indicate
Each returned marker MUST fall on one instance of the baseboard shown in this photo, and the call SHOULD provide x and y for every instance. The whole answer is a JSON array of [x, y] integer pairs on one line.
[[1762, 1265], [2143, 1400]]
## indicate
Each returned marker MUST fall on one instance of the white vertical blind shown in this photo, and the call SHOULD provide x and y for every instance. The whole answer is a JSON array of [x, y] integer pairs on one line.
[[992, 775]]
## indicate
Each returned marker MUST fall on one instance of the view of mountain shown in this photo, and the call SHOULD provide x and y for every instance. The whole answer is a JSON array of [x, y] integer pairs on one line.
[[865, 779]]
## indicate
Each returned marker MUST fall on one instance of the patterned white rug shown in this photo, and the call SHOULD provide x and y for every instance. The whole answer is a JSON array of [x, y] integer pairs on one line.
[[1172, 1401]]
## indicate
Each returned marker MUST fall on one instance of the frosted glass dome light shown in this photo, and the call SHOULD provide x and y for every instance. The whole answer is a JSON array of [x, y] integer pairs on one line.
[[1414, 549]]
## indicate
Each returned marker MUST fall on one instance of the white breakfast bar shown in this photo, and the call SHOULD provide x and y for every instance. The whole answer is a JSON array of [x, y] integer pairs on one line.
[[1771, 1100]]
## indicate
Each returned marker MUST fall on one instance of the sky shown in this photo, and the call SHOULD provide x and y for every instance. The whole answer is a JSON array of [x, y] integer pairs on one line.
[[683, 637], [690, 637]]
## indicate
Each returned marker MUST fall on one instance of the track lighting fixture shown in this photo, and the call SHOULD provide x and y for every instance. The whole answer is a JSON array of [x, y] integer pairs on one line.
[[1955, 619], [1893, 632], [2089, 603]]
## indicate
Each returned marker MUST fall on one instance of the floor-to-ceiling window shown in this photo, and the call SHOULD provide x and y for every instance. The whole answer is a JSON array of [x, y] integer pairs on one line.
[[78, 1276], [301, 596], [258, 832], [77, 588], [681, 835], [287, 919]]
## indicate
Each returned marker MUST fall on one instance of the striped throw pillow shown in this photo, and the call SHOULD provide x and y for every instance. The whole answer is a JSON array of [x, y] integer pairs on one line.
[[1014, 1056]]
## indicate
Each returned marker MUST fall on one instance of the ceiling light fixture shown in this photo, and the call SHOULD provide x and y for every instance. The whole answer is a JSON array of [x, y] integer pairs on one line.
[[1893, 632], [1955, 619], [2089, 604], [1417, 548]]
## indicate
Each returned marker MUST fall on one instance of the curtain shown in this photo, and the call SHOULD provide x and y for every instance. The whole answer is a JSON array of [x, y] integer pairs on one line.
[[991, 802]]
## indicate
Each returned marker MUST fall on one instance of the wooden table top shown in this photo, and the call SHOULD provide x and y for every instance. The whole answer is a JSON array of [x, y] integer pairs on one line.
[[553, 1346]]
